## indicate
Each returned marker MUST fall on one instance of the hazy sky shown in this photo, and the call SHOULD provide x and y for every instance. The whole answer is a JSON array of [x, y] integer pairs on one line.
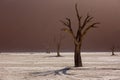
[[34, 24]]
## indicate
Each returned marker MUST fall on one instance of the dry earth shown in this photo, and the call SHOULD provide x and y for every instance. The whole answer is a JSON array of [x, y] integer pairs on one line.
[[43, 66]]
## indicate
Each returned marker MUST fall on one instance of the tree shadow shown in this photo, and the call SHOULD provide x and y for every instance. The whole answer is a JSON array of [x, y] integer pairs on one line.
[[52, 72], [63, 71], [53, 56], [56, 56]]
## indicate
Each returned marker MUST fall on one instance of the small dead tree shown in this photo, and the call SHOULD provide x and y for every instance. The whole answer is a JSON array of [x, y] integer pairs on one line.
[[113, 50], [48, 47], [83, 27], [58, 42], [48, 50]]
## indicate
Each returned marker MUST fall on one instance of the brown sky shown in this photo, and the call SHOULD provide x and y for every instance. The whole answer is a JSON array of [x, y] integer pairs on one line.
[[33, 24]]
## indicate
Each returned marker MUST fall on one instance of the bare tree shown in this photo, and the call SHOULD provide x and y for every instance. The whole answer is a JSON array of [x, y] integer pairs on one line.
[[58, 42], [83, 27], [113, 50], [48, 50], [48, 47]]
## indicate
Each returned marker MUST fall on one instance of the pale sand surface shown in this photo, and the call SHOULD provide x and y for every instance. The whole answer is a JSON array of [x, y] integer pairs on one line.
[[43, 66]]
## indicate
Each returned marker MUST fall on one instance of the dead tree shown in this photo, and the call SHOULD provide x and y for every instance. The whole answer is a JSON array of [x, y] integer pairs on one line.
[[58, 42], [113, 50], [83, 27], [48, 50]]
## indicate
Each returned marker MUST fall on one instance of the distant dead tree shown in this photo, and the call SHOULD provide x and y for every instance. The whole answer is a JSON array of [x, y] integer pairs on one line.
[[48, 47], [58, 42], [48, 50], [113, 50], [83, 27]]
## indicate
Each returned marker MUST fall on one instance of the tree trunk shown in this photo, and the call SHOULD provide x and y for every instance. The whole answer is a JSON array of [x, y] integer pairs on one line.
[[113, 50], [58, 54], [77, 56], [113, 53], [58, 50]]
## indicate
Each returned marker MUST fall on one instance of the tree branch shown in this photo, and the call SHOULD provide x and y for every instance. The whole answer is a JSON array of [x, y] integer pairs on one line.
[[86, 21], [78, 16], [64, 23], [89, 27], [68, 29], [79, 24]]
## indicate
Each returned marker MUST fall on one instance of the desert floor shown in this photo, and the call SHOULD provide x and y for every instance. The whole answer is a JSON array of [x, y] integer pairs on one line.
[[43, 66]]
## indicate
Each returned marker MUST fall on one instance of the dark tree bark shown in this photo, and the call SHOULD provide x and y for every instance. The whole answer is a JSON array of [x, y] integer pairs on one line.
[[83, 27], [113, 53], [77, 56]]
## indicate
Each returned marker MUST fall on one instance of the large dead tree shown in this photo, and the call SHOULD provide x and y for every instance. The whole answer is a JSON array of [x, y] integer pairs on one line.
[[83, 27]]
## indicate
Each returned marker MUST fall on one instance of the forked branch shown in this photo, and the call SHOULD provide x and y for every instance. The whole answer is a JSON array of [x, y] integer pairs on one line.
[[86, 21], [67, 23], [69, 28], [89, 27]]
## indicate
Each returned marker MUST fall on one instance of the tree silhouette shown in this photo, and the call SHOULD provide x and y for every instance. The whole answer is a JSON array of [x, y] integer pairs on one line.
[[83, 27], [113, 48], [58, 42]]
